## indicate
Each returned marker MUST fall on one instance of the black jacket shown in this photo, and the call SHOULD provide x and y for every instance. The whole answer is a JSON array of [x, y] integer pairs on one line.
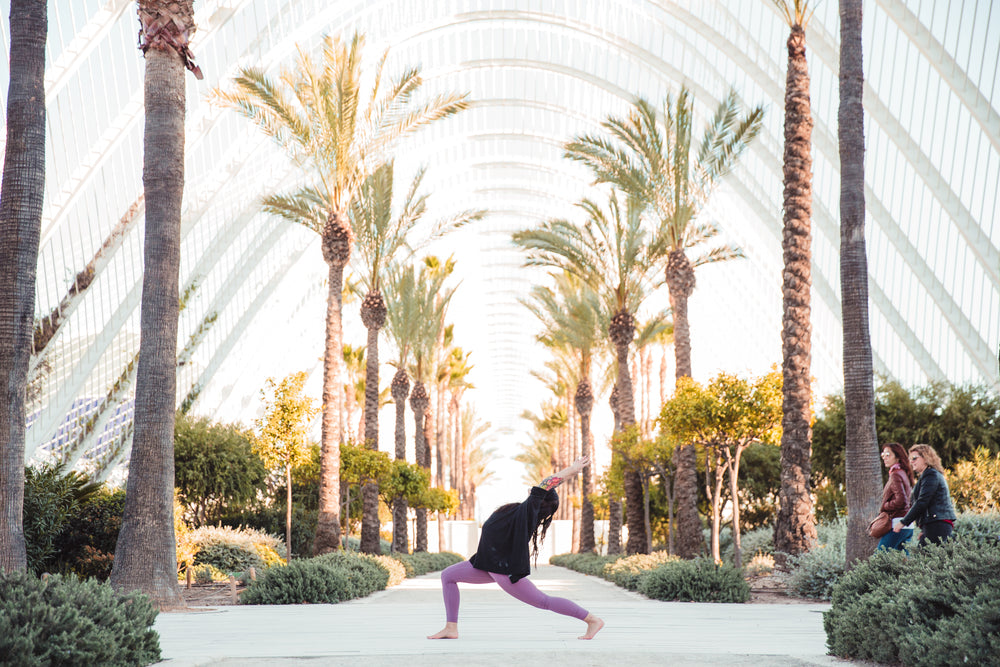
[[931, 499], [503, 543]]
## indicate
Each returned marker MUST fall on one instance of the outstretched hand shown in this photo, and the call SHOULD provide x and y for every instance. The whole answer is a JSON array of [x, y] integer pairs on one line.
[[580, 463]]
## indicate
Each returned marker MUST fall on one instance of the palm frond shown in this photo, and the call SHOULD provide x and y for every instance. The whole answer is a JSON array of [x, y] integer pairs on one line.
[[719, 254]]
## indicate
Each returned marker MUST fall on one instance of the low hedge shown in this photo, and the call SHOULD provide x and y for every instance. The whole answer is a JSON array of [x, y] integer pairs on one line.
[[331, 578], [698, 580], [939, 605], [587, 563], [422, 562], [68, 621], [629, 572]]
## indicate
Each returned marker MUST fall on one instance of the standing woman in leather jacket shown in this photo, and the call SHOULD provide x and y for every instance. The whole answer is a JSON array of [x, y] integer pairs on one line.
[[896, 494], [932, 508]]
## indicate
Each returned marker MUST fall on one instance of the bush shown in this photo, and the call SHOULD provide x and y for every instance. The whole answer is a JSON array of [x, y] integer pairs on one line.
[[233, 550], [588, 563], [66, 621], [271, 520], [629, 572], [939, 606], [354, 544], [330, 578], [698, 580], [980, 526], [814, 572], [422, 562], [396, 570], [87, 541], [207, 574], [757, 541], [51, 499]]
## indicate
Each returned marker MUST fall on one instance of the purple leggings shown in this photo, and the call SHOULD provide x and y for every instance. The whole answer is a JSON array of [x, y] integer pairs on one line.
[[523, 590]]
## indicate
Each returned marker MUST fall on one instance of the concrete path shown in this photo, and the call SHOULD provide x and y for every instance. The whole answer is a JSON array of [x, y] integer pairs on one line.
[[389, 628]]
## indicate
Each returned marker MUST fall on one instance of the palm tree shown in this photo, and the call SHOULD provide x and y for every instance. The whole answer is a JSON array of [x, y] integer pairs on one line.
[[459, 369], [417, 302], [380, 236], [609, 253], [795, 530], [475, 438], [21, 200], [144, 556], [571, 319], [649, 156], [863, 474], [320, 115]]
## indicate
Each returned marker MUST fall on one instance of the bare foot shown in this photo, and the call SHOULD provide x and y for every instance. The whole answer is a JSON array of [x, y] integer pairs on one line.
[[594, 626], [450, 632]]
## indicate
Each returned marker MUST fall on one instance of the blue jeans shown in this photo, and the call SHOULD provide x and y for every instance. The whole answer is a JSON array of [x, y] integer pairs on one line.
[[893, 540]]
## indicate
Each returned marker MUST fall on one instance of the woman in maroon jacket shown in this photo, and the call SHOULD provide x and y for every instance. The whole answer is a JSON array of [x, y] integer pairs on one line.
[[896, 494], [503, 556]]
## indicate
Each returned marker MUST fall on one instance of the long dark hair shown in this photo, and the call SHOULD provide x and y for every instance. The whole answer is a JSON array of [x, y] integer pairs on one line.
[[904, 459], [546, 513]]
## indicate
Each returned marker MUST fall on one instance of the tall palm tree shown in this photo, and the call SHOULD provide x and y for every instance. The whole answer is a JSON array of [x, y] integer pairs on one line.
[[417, 303], [571, 317], [609, 253], [320, 114], [459, 369], [380, 237], [144, 556], [863, 475], [21, 199], [649, 156], [795, 530]]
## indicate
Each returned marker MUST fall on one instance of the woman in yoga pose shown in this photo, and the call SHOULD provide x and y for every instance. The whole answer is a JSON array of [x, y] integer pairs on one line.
[[503, 556]]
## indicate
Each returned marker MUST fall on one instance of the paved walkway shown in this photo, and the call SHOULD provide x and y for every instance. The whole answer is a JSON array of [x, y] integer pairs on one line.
[[389, 628]]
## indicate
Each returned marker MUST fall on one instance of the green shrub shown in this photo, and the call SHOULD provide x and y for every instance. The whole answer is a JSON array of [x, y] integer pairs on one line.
[[757, 541], [330, 578], [66, 621], [396, 570], [628, 572], [698, 580], [271, 520], [233, 550], [588, 563], [206, 573], [422, 562], [88, 540], [354, 544], [940, 605], [984, 526], [814, 573], [51, 498]]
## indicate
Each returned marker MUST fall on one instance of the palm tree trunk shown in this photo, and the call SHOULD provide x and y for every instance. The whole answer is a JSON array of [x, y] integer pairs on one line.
[[614, 505], [373, 316], [622, 330], [328, 520], [21, 200], [794, 529], [418, 403], [288, 511], [400, 390], [145, 557], [584, 404], [690, 541], [863, 472]]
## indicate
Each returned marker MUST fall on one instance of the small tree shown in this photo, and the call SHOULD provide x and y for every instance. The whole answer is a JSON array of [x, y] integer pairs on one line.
[[216, 469], [360, 466], [975, 484], [725, 416], [282, 432]]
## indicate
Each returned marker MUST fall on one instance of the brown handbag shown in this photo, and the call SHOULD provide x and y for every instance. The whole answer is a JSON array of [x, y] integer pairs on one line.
[[880, 525]]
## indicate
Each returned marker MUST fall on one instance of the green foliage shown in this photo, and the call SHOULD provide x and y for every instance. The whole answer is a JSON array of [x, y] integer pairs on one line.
[[757, 541], [86, 544], [831, 500], [978, 526], [283, 429], [589, 563], [938, 606], [396, 570], [233, 550], [954, 420], [331, 578], [975, 484], [271, 520], [698, 580], [206, 573], [52, 498], [66, 621], [216, 469], [815, 572], [629, 572], [422, 562], [759, 484]]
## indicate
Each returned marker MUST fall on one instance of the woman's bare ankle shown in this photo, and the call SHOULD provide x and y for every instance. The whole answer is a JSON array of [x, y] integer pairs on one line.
[[594, 626]]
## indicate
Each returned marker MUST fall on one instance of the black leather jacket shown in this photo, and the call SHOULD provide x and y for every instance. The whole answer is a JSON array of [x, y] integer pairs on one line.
[[931, 499]]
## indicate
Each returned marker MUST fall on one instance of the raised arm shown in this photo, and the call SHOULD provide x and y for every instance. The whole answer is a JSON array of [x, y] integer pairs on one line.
[[555, 479]]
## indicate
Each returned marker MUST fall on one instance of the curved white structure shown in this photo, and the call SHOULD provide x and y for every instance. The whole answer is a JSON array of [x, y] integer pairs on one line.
[[539, 72]]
